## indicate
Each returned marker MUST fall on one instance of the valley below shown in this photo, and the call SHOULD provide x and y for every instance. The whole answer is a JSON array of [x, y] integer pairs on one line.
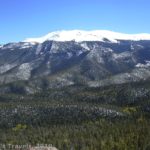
[[78, 117]]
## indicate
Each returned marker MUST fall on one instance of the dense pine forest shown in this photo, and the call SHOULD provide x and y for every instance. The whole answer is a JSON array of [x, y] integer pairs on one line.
[[78, 118]]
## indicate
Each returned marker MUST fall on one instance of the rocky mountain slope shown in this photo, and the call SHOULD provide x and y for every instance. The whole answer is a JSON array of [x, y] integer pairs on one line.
[[64, 58]]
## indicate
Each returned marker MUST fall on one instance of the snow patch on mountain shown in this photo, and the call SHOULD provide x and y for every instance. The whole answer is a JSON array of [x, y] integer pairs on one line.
[[147, 64], [122, 55], [96, 35], [39, 49], [84, 45], [6, 67], [26, 45], [24, 71]]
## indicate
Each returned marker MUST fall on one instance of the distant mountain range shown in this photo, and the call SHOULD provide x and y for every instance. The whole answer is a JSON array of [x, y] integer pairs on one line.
[[63, 58]]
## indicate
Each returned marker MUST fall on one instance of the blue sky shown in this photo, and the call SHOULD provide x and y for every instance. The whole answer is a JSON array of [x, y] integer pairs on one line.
[[20, 19]]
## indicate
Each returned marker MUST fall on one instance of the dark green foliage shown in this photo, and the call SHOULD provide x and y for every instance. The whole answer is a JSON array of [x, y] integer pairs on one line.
[[79, 118], [102, 134]]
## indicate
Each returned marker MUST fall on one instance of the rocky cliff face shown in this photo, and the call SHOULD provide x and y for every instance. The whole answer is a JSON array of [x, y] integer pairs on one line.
[[53, 64]]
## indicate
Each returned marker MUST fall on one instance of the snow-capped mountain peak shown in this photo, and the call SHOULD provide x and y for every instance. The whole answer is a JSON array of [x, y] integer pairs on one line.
[[96, 35]]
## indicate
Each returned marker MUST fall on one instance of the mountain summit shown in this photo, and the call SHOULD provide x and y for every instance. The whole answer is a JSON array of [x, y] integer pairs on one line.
[[63, 58], [96, 35]]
